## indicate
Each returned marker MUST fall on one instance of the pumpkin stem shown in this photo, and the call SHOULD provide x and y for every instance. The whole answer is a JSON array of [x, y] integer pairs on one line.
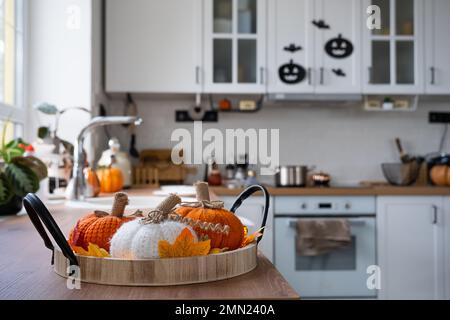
[[161, 212], [202, 191], [120, 202], [168, 203]]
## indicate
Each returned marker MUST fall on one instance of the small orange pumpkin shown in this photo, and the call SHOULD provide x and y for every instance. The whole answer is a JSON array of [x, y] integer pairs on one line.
[[111, 179], [215, 215], [92, 181], [99, 227], [440, 175]]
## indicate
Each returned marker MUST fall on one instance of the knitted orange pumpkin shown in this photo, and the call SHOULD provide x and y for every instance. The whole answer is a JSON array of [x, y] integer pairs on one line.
[[99, 227], [213, 212]]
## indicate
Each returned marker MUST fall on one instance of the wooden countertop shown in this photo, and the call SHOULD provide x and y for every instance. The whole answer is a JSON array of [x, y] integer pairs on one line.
[[26, 273], [345, 191]]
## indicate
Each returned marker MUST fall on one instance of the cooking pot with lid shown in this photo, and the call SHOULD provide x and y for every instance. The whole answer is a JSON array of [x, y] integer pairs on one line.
[[291, 176]]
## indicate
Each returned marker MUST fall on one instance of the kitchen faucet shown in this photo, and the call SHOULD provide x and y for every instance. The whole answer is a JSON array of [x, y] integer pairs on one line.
[[76, 189]]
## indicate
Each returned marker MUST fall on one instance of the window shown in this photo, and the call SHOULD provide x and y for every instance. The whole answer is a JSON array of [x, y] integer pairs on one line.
[[11, 66]]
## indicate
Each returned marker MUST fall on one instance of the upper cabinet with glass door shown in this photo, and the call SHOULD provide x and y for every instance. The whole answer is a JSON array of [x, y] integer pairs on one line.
[[437, 47], [393, 53], [234, 44]]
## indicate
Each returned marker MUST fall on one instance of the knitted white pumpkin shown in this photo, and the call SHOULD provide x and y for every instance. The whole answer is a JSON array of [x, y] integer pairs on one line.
[[138, 239]]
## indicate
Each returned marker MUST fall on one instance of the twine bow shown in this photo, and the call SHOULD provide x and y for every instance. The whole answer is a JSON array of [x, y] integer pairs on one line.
[[207, 204], [154, 216], [163, 210]]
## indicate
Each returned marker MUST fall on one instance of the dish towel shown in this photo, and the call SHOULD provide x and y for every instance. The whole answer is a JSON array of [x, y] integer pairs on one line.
[[320, 236]]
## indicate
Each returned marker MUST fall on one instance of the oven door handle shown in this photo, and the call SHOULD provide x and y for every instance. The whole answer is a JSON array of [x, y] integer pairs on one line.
[[354, 222]]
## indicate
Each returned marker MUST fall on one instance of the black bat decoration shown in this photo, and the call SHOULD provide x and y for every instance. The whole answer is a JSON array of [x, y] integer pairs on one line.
[[292, 48], [339, 72], [321, 24]]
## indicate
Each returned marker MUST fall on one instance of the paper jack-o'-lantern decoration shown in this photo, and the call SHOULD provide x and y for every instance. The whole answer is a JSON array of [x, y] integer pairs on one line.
[[339, 47], [291, 73]]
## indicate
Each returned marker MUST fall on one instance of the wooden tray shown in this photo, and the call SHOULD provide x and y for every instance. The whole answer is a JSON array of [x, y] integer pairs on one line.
[[144, 272], [161, 272]]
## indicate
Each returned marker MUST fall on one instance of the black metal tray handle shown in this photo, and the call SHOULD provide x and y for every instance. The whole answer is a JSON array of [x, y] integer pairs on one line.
[[247, 193], [38, 212]]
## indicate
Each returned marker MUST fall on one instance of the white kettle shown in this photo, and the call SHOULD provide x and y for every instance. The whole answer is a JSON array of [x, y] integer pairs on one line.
[[122, 161]]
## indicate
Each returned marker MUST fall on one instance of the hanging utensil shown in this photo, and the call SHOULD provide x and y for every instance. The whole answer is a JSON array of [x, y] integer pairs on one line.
[[197, 112], [404, 157], [131, 110]]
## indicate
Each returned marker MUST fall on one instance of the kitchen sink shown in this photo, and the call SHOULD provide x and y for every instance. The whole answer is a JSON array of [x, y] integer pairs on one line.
[[135, 202]]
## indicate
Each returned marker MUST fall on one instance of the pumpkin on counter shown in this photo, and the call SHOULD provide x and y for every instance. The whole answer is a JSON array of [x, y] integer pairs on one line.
[[92, 182], [139, 239], [440, 175], [111, 179], [213, 214], [98, 227]]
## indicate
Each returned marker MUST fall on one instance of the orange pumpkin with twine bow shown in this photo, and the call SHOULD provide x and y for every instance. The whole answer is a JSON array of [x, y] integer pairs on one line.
[[231, 233]]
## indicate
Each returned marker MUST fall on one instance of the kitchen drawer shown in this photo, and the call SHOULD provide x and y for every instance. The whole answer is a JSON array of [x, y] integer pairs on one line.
[[329, 205]]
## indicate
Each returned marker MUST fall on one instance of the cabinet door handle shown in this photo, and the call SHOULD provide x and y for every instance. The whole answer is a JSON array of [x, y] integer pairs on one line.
[[321, 75], [261, 75], [197, 75], [435, 214], [432, 72], [308, 74]]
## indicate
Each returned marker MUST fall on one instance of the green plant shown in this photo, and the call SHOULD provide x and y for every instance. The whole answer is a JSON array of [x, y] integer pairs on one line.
[[19, 174], [45, 132]]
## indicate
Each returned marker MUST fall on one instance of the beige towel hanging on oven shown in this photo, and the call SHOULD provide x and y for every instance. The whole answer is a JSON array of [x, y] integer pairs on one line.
[[320, 236]]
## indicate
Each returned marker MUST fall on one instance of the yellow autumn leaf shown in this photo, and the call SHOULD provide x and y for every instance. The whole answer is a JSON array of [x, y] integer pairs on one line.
[[92, 251], [218, 250], [184, 246]]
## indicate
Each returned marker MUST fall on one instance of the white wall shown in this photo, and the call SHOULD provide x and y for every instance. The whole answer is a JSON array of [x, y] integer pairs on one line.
[[347, 142], [59, 62]]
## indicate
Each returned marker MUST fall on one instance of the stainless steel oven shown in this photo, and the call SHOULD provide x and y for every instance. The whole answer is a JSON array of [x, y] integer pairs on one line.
[[340, 273]]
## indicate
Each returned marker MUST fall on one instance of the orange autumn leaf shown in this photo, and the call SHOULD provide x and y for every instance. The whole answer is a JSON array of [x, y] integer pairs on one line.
[[251, 238], [92, 251], [184, 246]]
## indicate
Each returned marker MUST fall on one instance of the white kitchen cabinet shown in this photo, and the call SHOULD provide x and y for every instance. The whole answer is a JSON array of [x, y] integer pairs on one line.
[[411, 247], [234, 46], [290, 46], [153, 46], [306, 58], [437, 46], [252, 209], [393, 56], [446, 223], [340, 70]]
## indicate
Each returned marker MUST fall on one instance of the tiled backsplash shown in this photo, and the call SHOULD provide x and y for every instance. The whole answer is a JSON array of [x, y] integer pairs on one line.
[[345, 141]]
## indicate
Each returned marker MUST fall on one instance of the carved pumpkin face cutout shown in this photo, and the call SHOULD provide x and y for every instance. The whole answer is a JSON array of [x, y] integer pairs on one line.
[[339, 47], [291, 73]]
